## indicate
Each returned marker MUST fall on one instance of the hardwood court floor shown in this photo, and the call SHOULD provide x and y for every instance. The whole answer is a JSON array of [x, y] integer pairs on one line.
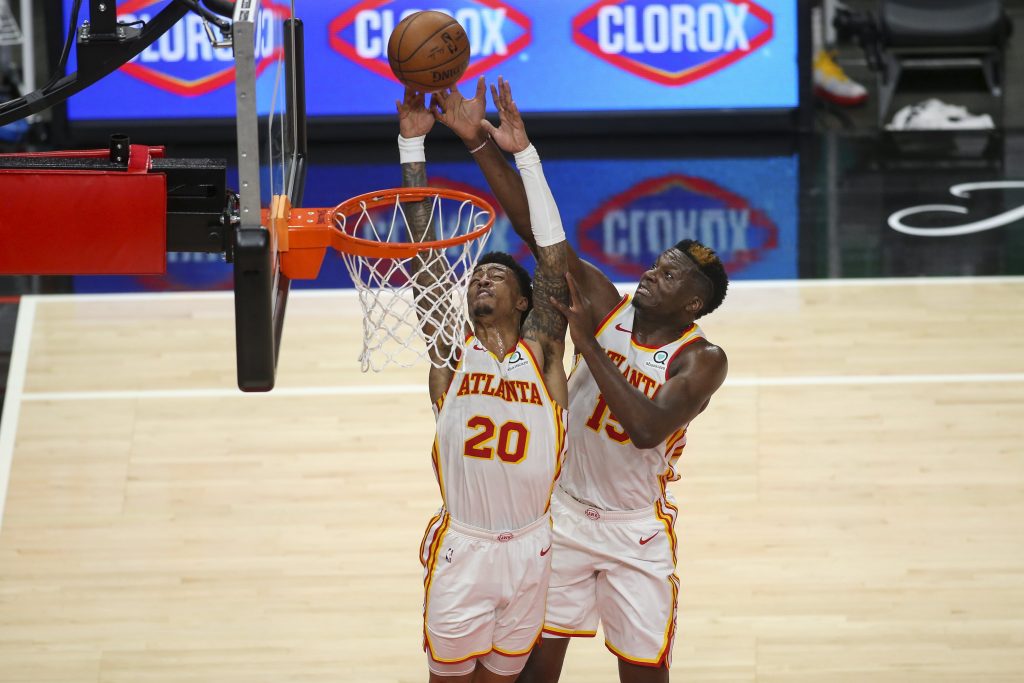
[[852, 504]]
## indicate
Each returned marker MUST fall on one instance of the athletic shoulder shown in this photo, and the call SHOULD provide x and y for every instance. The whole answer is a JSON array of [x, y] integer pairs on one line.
[[701, 357]]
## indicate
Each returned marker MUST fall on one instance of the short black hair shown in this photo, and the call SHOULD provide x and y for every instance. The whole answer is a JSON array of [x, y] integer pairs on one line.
[[522, 275], [710, 266]]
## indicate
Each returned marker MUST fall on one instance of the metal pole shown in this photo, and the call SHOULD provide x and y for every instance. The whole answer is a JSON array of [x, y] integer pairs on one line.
[[28, 53]]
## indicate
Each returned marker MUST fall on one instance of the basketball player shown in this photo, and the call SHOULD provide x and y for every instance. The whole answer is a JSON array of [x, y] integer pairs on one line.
[[643, 371], [500, 431]]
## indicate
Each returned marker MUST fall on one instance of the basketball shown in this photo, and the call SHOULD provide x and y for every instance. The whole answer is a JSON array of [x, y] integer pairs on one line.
[[428, 51]]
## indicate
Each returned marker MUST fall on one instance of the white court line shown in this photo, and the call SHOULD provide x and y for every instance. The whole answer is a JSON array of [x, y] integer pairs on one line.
[[132, 394], [182, 296], [622, 286], [396, 389], [853, 380], [14, 394], [877, 282]]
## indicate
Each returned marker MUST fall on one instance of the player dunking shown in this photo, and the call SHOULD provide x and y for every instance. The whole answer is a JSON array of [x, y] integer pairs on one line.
[[643, 371], [500, 433]]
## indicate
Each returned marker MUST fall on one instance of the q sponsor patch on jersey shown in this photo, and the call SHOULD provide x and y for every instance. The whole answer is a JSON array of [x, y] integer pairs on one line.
[[496, 31], [628, 231], [182, 61], [672, 42]]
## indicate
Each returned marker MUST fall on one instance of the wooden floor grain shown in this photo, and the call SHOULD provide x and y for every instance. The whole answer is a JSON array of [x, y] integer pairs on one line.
[[852, 503]]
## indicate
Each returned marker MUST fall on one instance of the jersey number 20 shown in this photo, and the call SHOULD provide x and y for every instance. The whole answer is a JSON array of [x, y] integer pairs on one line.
[[512, 439]]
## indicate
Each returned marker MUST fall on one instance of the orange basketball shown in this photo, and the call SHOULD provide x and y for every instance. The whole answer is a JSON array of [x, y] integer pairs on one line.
[[428, 51]]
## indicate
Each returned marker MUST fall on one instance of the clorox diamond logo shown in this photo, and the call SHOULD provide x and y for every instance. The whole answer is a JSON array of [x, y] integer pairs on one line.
[[629, 231], [184, 63], [672, 42], [496, 31]]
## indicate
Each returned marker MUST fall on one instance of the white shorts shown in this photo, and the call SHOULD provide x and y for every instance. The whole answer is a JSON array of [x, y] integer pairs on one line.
[[619, 568], [484, 591]]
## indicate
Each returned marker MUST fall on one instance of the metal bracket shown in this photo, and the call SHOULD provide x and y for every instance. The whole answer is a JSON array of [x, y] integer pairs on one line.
[[226, 41]]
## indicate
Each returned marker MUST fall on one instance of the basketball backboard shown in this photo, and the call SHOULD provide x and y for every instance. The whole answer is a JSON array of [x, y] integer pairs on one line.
[[271, 132]]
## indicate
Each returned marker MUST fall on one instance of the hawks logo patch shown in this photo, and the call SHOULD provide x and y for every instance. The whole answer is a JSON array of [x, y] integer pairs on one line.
[[630, 230], [183, 62], [672, 42], [495, 29]]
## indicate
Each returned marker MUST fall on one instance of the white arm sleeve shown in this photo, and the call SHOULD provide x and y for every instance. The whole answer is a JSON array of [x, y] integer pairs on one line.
[[544, 219], [412, 150]]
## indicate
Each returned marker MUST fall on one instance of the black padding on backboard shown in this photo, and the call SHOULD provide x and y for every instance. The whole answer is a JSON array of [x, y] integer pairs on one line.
[[261, 290]]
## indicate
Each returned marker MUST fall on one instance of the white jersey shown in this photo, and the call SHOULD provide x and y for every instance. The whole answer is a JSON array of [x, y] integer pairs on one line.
[[500, 440], [604, 468]]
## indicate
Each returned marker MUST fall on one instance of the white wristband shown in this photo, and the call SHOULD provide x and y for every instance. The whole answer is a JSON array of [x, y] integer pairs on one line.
[[545, 221], [412, 150]]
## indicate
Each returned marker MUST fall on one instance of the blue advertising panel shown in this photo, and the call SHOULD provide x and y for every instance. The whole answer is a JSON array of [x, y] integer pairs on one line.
[[618, 214], [180, 76], [564, 56]]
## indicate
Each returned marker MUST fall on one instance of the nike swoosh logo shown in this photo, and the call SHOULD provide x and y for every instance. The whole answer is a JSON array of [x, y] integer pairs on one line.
[[545, 551], [620, 328], [645, 541], [478, 347]]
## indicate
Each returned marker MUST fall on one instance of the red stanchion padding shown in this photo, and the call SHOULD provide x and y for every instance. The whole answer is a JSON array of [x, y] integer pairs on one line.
[[83, 222]]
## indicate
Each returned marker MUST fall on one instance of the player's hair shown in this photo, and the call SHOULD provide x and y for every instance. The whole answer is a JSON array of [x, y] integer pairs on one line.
[[522, 275], [711, 267]]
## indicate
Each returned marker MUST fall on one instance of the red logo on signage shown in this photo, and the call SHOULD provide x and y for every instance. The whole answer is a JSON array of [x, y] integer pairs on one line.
[[675, 43], [193, 86], [628, 231], [511, 28]]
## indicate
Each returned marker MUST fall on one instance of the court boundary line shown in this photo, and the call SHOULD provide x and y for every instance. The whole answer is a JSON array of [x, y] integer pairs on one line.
[[399, 389], [14, 395], [622, 286]]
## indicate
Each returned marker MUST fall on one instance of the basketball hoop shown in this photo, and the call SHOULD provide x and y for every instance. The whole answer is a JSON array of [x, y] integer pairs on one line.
[[399, 279]]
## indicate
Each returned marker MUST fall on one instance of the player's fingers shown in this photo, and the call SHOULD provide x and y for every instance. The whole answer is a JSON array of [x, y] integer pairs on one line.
[[495, 98], [435, 104], [571, 281], [559, 306], [481, 88], [488, 127]]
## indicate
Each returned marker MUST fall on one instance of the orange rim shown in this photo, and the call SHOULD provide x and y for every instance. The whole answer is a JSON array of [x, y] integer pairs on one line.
[[359, 246]]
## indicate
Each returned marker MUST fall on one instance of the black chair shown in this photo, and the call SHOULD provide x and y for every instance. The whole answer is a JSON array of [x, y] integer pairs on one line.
[[931, 34]]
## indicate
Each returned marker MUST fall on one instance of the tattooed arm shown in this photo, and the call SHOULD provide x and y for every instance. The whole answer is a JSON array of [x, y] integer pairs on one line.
[[429, 288], [466, 118], [545, 326]]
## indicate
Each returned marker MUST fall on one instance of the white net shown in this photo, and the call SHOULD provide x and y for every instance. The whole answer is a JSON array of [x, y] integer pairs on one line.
[[414, 307]]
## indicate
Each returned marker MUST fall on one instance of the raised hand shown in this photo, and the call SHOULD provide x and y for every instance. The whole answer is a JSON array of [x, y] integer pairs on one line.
[[510, 135], [579, 313], [413, 118], [461, 115]]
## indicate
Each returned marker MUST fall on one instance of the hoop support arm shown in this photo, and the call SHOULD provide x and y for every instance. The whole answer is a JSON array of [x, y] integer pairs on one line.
[[120, 210]]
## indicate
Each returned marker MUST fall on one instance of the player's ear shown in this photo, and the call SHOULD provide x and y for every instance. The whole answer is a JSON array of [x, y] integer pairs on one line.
[[694, 305], [522, 304]]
